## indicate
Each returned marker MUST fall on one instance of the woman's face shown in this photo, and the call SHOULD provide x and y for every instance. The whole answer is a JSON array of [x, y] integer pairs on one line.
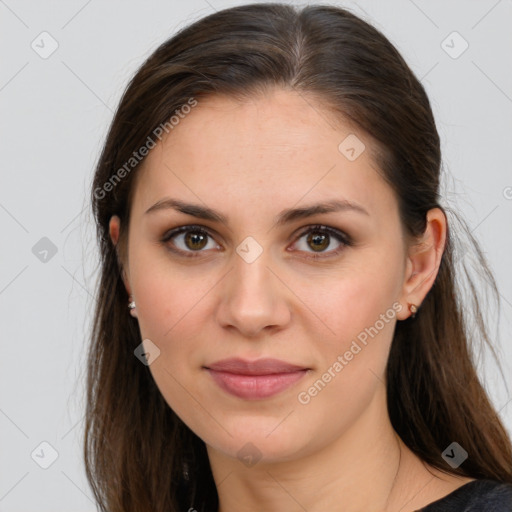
[[320, 292]]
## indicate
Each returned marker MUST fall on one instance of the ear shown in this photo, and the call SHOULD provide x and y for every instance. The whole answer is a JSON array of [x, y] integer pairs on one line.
[[114, 227], [423, 261]]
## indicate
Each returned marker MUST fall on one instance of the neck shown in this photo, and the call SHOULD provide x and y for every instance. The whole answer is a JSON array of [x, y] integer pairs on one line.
[[366, 468]]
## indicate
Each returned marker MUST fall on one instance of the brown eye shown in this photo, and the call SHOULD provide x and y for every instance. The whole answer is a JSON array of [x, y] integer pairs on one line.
[[318, 241], [322, 242], [189, 241], [195, 240]]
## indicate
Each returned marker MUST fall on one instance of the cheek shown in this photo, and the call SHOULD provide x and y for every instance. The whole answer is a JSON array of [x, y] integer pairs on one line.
[[359, 311], [172, 314], [353, 299], [352, 361], [356, 354], [168, 297]]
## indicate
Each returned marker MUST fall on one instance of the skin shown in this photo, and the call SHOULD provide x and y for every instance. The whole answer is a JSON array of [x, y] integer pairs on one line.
[[250, 160]]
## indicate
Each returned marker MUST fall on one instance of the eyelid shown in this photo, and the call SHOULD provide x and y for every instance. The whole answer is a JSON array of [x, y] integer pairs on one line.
[[344, 239], [184, 229], [339, 235]]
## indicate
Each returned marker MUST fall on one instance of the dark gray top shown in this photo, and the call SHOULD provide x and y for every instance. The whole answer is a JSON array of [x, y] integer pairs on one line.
[[475, 496]]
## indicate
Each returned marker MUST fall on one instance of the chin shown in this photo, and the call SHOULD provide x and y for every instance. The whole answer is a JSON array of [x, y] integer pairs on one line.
[[262, 438]]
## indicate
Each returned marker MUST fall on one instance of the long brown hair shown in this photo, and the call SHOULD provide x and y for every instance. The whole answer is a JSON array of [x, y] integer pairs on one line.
[[136, 449]]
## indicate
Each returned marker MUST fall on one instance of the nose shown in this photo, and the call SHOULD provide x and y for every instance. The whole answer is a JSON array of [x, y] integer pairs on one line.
[[254, 301]]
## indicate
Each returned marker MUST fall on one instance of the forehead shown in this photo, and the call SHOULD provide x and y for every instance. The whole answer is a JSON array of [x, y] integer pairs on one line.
[[279, 149]]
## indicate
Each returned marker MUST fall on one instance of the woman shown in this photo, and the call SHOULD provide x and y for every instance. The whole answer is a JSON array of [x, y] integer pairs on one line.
[[277, 310]]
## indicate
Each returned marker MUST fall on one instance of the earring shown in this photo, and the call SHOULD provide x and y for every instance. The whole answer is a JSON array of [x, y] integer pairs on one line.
[[131, 306], [413, 309]]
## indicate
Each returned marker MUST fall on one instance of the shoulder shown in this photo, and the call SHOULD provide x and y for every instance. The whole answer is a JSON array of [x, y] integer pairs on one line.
[[475, 496]]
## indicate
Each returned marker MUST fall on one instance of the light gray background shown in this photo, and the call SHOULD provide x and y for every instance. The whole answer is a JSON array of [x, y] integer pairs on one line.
[[55, 113]]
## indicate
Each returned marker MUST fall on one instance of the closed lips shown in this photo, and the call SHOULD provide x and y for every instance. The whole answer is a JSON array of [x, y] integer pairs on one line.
[[255, 380], [260, 367]]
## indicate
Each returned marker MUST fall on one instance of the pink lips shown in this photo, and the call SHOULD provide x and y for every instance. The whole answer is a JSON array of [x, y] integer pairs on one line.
[[255, 379]]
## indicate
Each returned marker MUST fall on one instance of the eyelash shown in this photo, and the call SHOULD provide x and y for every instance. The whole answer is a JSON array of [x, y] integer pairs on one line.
[[339, 236]]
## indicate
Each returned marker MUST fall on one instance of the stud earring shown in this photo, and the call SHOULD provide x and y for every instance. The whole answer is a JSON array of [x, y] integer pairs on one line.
[[131, 306], [413, 309]]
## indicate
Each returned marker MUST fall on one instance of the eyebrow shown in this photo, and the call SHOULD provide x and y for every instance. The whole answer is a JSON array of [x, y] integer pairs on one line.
[[284, 217]]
